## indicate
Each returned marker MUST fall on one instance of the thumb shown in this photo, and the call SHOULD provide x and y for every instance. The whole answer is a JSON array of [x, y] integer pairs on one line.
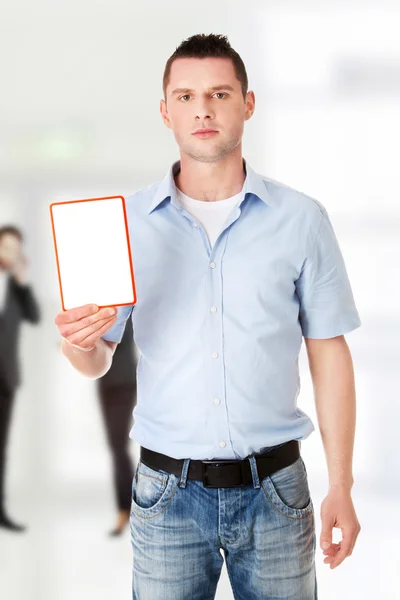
[[326, 537]]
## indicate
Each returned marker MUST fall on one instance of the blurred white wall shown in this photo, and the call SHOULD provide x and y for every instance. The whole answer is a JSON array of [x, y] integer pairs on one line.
[[79, 117]]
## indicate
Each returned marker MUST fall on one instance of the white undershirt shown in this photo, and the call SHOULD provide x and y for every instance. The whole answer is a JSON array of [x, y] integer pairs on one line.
[[3, 288], [212, 215]]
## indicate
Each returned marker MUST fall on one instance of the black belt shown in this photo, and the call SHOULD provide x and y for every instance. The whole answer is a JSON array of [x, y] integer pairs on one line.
[[225, 473]]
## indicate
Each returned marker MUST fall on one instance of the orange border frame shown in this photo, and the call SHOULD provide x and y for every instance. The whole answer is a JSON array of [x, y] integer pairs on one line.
[[127, 239]]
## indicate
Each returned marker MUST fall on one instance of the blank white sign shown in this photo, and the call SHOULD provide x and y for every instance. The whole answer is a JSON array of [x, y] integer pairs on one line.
[[93, 252]]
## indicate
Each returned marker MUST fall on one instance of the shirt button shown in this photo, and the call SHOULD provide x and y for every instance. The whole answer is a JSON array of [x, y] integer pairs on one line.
[[214, 354], [222, 444], [217, 401], [212, 265], [213, 309], [195, 225]]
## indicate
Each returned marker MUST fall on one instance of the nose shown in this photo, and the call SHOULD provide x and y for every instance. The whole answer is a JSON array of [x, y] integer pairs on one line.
[[203, 110]]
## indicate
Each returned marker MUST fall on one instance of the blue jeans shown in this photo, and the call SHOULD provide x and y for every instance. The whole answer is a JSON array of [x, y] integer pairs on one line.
[[266, 531]]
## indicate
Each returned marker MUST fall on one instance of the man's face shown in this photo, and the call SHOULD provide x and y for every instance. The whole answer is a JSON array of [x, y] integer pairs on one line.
[[192, 104], [10, 250]]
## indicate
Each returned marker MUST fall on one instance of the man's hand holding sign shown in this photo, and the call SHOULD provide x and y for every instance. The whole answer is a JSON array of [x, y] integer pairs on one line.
[[94, 277]]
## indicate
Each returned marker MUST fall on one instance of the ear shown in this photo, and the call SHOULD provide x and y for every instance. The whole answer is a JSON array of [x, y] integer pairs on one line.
[[250, 105], [164, 114]]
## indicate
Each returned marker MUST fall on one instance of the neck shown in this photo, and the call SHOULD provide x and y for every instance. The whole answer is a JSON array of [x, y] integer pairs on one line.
[[211, 181]]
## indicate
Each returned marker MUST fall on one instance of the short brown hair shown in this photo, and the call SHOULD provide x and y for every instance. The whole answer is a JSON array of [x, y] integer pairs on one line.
[[11, 230], [208, 46]]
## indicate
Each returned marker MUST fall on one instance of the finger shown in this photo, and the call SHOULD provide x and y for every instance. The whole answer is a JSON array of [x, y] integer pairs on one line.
[[332, 554], [326, 535], [81, 336], [74, 314], [91, 324], [344, 551], [94, 337], [332, 550], [88, 322]]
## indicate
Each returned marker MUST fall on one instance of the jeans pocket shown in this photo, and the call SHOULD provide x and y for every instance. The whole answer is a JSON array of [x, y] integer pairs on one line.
[[151, 489], [288, 490]]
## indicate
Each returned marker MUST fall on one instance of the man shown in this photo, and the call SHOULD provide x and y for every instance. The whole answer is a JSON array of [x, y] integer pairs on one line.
[[232, 269], [17, 303]]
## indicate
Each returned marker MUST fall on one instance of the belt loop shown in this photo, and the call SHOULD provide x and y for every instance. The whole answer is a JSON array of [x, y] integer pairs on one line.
[[254, 472], [185, 468]]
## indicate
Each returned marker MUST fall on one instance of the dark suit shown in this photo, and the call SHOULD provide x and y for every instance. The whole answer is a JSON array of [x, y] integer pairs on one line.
[[20, 305], [117, 394]]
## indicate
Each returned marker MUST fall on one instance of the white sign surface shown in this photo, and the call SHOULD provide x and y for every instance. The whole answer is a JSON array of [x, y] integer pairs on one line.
[[93, 255]]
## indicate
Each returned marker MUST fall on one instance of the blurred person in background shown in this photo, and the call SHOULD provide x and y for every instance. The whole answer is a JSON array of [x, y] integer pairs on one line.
[[232, 270], [117, 396], [17, 304]]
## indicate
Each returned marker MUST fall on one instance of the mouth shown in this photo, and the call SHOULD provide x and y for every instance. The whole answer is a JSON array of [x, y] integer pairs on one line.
[[205, 133]]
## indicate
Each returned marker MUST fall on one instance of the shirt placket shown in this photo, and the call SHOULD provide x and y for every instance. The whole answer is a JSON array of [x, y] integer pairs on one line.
[[214, 347], [215, 357]]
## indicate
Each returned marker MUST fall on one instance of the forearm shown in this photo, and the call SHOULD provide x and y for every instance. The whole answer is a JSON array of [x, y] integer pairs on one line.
[[92, 364], [335, 399], [28, 303]]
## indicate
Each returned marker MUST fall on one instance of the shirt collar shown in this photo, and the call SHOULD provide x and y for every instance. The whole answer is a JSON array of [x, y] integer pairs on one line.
[[254, 184]]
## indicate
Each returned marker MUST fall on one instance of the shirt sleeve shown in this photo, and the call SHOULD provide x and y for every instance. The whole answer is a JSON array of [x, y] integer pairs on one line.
[[115, 333], [327, 307]]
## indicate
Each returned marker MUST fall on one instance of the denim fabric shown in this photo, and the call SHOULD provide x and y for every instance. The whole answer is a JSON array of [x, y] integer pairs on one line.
[[182, 531]]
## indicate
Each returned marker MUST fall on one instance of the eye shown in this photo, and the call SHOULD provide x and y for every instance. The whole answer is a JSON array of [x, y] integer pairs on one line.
[[185, 96], [221, 93]]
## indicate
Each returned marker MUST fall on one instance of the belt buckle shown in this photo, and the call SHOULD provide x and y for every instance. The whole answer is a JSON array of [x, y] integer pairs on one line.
[[204, 464]]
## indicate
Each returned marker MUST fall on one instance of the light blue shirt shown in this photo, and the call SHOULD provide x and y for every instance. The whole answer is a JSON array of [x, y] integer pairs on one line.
[[220, 328]]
